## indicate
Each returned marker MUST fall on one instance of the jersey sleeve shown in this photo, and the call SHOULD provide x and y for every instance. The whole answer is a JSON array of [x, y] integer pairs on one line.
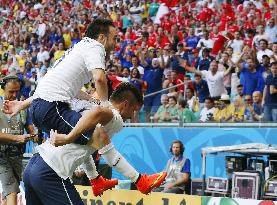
[[94, 57]]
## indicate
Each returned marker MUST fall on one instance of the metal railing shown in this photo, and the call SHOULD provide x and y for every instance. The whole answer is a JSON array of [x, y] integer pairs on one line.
[[166, 89], [205, 125]]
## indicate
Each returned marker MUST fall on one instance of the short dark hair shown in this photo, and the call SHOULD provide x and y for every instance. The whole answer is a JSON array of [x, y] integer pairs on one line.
[[239, 86], [126, 91], [172, 97], [183, 103], [97, 27], [264, 40], [210, 99]]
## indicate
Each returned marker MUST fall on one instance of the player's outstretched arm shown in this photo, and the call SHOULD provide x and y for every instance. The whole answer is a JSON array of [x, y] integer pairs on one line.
[[13, 107]]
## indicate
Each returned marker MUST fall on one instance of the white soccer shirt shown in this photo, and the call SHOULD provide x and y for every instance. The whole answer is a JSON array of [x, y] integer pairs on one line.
[[215, 82], [65, 159], [71, 71]]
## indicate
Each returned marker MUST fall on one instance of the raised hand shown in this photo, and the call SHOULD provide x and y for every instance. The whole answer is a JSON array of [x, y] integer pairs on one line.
[[12, 107]]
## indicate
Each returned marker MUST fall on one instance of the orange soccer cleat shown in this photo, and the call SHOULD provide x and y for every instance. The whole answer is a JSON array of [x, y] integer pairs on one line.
[[101, 184], [147, 183]]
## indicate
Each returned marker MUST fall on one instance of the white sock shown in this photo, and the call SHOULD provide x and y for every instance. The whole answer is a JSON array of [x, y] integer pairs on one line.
[[117, 161], [90, 168]]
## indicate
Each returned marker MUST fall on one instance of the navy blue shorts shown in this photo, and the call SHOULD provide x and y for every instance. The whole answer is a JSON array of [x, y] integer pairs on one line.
[[44, 186], [57, 116], [152, 103]]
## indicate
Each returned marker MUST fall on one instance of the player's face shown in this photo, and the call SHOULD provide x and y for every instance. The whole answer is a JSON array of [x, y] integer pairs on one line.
[[129, 110], [111, 41]]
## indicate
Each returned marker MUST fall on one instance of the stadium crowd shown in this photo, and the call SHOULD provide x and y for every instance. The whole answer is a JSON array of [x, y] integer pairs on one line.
[[222, 54]]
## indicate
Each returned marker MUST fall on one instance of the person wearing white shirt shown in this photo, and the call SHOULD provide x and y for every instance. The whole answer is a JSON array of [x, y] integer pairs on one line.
[[214, 78], [86, 60], [205, 42], [136, 65], [260, 35], [42, 55], [236, 44], [271, 31], [263, 44], [207, 112], [53, 166]]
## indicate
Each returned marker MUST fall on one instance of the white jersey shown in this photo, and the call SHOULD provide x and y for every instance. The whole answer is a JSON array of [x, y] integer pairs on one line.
[[65, 159], [71, 71]]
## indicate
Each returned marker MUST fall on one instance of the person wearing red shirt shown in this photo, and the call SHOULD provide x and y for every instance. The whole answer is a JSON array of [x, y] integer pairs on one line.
[[166, 23], [220, 40], [248, 40], [206, 13], [118, 22]]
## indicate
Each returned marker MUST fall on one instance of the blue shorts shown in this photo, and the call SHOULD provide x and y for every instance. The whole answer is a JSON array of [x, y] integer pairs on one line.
[[152, 103], [44, 186], [57, 116]]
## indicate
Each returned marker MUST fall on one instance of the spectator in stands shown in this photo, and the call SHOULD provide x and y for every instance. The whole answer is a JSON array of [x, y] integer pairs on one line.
[[202, 90], [135, 79], [12, 153], [237, 44], [207, 113], [127, 60], [237, 110], [240, 90], [162, 110], [248, 103], [257, 110], [250, 76], [178, 171], [223, 112], [270, 95], [173, 91], [205, 60], [153, 76], [271, 31], [135, 64], [263, 45], [125, 72], [153, 9], [172, 110], [265, 66], [213, 76], [192, 101], [185, 114], [205, 42], [42, 55], [59, 52], [260, 35]]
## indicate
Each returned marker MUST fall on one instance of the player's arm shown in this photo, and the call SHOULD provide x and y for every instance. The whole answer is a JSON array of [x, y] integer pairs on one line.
[[98, 115], [101, 84], [14, 107]]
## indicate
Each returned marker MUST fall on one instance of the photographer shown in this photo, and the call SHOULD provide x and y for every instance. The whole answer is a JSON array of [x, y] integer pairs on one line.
[[12, 148]]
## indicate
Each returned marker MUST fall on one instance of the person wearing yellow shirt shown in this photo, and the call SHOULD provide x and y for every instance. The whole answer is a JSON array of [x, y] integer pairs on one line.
[[1, 92], [59, 52], [21, 59], [237, 110], [145, 6], [2, 52], [67, 38], [223, 112]]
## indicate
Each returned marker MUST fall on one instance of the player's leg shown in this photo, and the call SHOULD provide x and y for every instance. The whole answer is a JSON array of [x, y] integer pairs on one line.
[[44, 186], [144, 183]]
